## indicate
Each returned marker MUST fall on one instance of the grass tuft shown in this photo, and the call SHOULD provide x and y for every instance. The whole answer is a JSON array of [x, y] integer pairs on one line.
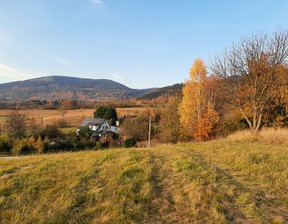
[[266, 135]]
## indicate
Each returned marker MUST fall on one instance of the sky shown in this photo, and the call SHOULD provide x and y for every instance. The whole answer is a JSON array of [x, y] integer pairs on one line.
[[139, 43]]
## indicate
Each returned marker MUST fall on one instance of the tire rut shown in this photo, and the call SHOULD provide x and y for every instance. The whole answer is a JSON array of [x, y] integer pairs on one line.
[[164, 182]]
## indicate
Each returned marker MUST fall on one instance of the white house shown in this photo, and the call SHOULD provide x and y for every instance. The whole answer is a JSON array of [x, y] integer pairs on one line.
[[100, 127]]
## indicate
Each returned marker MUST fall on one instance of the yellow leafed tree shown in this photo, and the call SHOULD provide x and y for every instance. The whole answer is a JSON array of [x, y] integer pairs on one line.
[[197, 114]]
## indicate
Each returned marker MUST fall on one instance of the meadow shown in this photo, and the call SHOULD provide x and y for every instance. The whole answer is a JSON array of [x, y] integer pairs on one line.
[[72, 117], [220, 181]]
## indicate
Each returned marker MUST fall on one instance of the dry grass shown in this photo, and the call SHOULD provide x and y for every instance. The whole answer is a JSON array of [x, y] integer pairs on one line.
[[213, 182], [244, 135], [266, 135], [130, 111], [72, 117], [271, 135]]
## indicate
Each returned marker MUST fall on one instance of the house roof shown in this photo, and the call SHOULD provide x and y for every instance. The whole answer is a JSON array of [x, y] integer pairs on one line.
[[92, 121]]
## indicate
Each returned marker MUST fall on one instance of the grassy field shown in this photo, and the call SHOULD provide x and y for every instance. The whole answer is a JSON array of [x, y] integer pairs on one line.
[[72, 117], [214, 182]]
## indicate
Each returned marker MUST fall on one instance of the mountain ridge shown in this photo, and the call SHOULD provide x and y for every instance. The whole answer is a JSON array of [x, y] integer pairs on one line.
[[66, 87]]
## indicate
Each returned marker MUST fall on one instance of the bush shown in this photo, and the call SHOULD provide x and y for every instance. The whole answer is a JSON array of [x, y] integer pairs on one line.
[[233, 125], [85, 133], [25, 146], [51, 132], [103, 144], [130, 142], [36, 133], [6, 144], [65, 145], [80, 145], [46, 144], [18, 145], [61, 123], [39, 145]]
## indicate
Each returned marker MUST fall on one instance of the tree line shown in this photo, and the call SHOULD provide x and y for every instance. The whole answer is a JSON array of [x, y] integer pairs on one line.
[[251, 76]]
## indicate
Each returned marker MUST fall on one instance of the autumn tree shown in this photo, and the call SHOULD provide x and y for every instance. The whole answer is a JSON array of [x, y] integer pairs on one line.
[[137, 127], [32, 123], [251, 71], [16, 124], [197, 108], [170, 121], [276, 112], [69, 104], [206, 124], [39, 145]]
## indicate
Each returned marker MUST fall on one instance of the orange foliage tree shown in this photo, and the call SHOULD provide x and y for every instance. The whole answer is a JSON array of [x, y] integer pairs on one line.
[[276, 114], [197, 114], [251, 71]]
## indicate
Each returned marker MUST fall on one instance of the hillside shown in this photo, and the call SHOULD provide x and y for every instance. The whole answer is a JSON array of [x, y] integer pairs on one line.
[[214, 182], [61, 87], [164, 91]]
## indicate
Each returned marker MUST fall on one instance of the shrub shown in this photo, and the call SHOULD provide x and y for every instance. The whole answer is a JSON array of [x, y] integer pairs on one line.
[[61, 123], [36, 133], [6, 144], [233, 125], [130, 142], [80, 145], [17, 147], [46, 144], [90, 143], [39, 145], [51, 132], [103, 144], [85, 133], [27, 146], [65, 145]]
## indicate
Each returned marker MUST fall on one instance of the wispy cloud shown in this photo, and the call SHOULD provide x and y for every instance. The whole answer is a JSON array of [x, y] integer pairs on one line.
[[97, 1], [60, 60], [12, 74], [117, 76]]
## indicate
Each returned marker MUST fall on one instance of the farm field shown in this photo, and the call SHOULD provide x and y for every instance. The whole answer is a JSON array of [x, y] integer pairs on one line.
[[215, 182], [72, 117]]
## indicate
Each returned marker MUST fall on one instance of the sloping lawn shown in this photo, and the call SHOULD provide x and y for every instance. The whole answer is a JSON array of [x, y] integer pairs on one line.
[[214, 182]]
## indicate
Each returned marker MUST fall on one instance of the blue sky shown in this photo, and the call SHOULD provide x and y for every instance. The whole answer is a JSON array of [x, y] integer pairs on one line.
[[140, 43]]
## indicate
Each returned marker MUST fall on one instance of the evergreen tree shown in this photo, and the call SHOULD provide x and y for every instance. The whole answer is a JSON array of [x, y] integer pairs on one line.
[[107, 113]]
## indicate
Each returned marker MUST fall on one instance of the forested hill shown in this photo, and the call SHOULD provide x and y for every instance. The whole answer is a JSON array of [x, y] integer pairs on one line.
[[62, 87], [165, 91]]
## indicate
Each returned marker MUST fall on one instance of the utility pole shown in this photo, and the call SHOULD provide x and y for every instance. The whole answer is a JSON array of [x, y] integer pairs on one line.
[[149, 135]]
